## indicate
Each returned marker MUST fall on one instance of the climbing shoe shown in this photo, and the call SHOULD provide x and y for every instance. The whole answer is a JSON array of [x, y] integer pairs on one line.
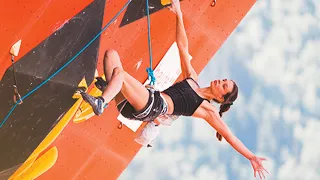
[[95, 102]]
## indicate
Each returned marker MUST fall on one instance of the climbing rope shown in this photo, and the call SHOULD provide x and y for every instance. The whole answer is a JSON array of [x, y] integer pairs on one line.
[[149, 70], [65, 65]]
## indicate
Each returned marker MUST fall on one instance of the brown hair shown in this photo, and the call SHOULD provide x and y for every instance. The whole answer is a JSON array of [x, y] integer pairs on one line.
[[228, 101]]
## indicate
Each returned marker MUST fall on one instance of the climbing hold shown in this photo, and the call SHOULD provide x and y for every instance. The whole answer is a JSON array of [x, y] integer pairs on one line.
[[165, 2], [41, 165], [15, 48], [81, 87], [213, 4], [120, 125]]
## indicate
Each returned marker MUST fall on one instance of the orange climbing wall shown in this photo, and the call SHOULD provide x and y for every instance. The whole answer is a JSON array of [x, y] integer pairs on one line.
[[97, 148]]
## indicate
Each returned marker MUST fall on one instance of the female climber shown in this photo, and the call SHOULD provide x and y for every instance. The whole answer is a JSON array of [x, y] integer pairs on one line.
[[184, 98]]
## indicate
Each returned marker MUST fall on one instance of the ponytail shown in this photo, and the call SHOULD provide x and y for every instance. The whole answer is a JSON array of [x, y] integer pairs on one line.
[[223, 108]]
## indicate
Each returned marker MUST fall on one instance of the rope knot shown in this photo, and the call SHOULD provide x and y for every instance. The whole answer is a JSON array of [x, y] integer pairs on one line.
[[151, 76]]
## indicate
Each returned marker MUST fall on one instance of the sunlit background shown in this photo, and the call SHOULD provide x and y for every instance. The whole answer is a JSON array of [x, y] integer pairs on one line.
[[274, 57]]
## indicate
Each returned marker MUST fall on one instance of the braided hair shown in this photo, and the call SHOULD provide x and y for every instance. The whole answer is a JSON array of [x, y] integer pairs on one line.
[[228, 101]]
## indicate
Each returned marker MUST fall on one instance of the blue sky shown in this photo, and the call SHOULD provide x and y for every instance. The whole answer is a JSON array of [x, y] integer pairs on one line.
[[273, 56]]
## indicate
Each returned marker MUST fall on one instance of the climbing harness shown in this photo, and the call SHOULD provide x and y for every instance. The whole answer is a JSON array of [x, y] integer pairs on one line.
[[65, 65]]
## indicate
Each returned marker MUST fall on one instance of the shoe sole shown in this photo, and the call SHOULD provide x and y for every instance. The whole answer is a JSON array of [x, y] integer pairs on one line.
[[90, 100]]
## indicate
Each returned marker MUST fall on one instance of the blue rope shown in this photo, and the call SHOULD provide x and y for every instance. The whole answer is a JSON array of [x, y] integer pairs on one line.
[[149, 70], [65, 65]]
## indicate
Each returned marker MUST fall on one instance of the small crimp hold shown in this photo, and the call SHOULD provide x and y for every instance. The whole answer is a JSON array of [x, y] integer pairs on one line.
[[213, 4]]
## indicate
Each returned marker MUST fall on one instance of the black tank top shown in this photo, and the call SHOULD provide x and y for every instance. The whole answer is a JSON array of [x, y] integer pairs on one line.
[[185, 99]]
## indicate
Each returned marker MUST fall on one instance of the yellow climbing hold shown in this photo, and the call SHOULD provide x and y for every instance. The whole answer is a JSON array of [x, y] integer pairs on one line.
[[41, 165], [15, 48], [82, 84], [165, 2]]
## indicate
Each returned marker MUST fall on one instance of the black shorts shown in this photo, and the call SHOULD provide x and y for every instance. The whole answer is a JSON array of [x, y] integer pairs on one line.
[[156, 106]]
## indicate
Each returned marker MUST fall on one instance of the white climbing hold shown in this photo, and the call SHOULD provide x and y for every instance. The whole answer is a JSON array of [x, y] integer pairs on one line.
[[15, 48]]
